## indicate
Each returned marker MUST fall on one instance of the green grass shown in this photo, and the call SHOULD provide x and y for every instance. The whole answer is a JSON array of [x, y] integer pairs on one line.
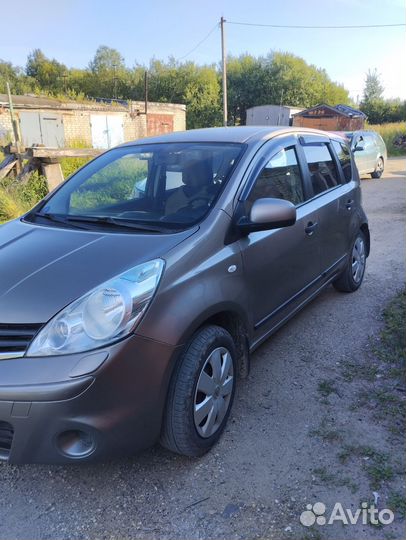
[[392, 346], [327, 387], [70, 165], [326, 432], [17, 198], [376, 464], [389, 132], [397, 503], [333, 479]]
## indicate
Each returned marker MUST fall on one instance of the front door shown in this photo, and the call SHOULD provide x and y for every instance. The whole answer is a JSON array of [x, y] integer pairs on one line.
[[281, 265]]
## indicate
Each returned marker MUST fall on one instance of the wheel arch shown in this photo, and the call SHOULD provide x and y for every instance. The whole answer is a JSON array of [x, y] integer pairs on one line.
[[235, 322], [365, 229]]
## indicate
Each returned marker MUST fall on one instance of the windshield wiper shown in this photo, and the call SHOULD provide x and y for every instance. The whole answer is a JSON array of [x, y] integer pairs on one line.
[[117, 222], [72, 220], [57, 218]]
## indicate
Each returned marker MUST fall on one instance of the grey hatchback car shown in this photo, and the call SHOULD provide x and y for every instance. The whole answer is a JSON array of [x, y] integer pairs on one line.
[[369, 152], [128, 315]]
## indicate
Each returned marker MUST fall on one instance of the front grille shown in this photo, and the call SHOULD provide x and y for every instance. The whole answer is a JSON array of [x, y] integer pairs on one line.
[[15, 338], [6, 438]]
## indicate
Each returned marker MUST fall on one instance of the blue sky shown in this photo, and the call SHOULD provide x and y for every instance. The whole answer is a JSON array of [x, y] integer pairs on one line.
[[71, 30]]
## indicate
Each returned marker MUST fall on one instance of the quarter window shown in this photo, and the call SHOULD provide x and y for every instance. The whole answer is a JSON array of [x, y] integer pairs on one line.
[[280, 179], [343, 155], [323, 171]]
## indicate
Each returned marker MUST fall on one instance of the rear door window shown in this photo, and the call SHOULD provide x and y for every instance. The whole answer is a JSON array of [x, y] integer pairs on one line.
[[344, 157], [323, 171]]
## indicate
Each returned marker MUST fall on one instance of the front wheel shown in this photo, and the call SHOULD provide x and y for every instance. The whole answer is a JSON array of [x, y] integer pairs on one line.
[[378, 169], [201, 393], [353, 274]]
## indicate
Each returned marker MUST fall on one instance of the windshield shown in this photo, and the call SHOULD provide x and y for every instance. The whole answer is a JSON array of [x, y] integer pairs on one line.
[[172, 184]]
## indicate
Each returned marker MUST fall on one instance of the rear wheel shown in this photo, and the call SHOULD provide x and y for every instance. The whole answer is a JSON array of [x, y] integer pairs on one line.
[[378, 169], [351, 278], [201, 393]]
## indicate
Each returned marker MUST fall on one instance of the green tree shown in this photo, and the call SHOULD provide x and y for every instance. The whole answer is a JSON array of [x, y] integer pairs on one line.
[[19, 82], [373, 104], [48, 74], [373, 89], [107, 73], [247, 85], [279, 78], [202, 98], [106, 59]]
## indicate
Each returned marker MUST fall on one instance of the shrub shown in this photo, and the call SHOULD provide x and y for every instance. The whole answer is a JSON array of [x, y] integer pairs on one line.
[[16, 198], [389, 132]]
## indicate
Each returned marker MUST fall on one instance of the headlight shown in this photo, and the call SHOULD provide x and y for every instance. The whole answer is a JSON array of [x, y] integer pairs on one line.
[[104, 314]]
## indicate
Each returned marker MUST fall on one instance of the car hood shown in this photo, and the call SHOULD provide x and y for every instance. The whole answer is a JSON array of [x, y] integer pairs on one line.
[[43, 269]]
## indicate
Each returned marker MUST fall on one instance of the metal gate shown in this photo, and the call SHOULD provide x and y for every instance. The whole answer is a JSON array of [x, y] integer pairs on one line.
[[107, 130], [157, 124], [42, 128]]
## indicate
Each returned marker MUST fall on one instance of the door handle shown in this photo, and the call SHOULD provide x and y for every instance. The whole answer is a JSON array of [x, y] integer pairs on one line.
[[311, 227], [349, 204]]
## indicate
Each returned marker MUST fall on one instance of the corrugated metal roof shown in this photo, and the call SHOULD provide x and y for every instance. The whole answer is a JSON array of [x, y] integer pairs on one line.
[[349, 111], [344, 110]]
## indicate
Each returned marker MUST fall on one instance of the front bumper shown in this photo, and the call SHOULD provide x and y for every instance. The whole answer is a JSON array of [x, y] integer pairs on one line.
[[84, 407]]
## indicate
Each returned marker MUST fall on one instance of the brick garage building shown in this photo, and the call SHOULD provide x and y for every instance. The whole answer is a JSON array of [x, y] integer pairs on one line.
[[57, 123], [328, 118]]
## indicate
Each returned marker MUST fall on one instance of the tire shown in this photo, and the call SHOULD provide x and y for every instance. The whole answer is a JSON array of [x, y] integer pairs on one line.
[[351, 278], [378, 169], [204, 381]]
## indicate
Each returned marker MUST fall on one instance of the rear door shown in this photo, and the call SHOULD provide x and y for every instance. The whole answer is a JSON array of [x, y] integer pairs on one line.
[[334, 195]]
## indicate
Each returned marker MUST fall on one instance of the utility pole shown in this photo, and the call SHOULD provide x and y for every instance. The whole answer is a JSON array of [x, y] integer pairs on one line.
[[146, 91], [64, 77], [12, 117], [224, 70], [115, 81], [280, 108], [14, 124]]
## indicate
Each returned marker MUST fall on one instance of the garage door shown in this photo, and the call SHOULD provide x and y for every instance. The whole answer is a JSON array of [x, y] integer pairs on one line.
[[107, 131], [42, 128], [158, 124]]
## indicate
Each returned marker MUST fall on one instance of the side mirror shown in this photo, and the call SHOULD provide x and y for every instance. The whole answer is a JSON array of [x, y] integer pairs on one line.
[[267, 214], [359, 145]]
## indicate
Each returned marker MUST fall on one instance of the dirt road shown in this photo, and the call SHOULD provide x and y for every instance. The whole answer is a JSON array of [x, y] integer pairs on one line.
[[293, 421]]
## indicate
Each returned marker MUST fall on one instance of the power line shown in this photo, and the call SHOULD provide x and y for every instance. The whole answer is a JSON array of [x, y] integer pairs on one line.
[[315, 27], [200, 42]]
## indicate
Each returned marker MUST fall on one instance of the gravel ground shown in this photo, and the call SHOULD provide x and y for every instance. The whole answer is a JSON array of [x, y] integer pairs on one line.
[[291, 419]]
